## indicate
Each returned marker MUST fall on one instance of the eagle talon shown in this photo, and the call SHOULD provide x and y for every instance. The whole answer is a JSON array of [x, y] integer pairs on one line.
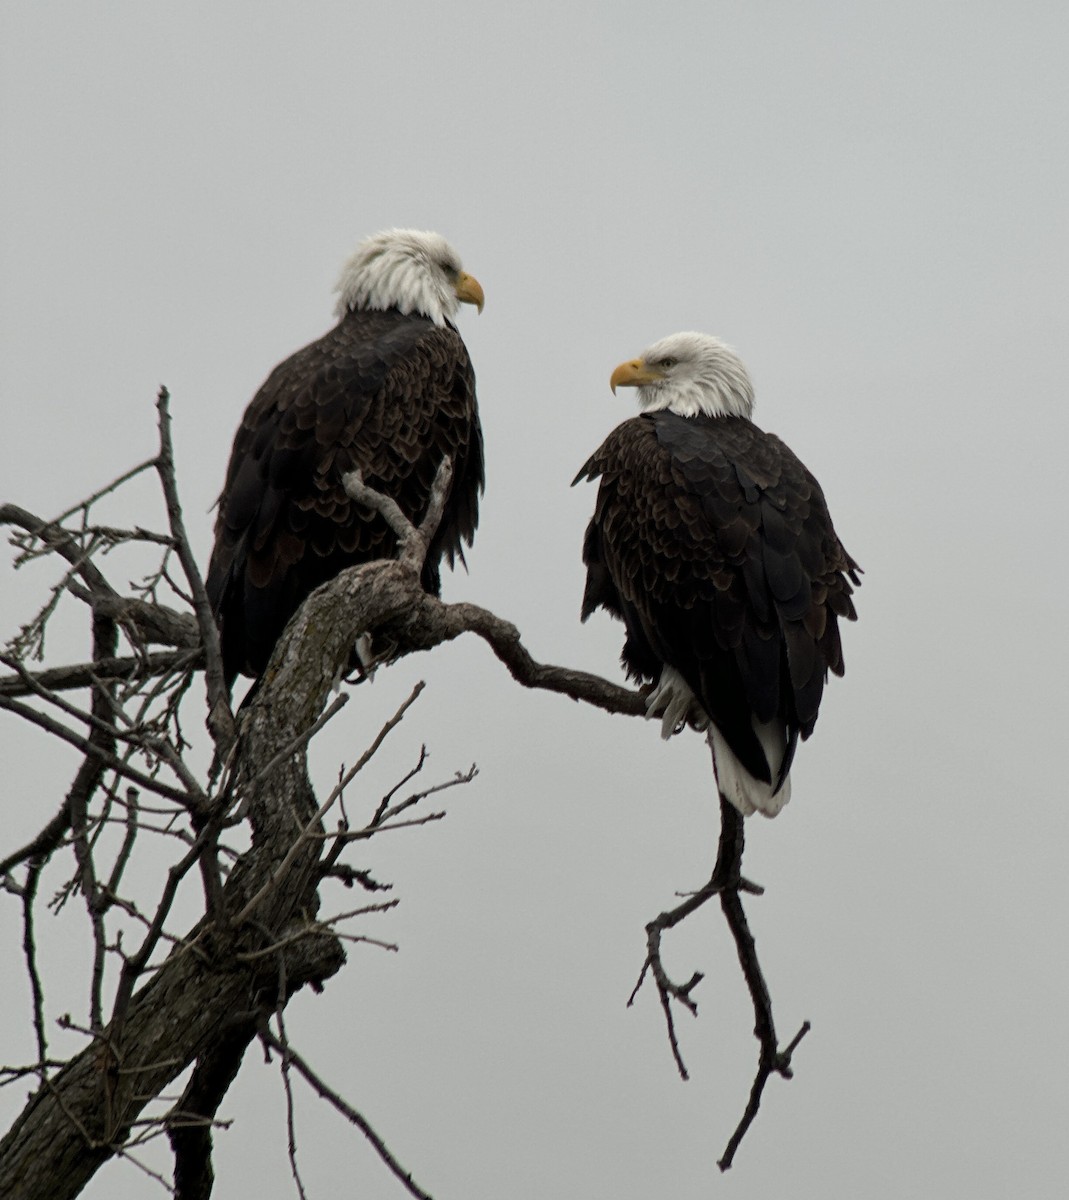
[[673, 701], [370, 653]]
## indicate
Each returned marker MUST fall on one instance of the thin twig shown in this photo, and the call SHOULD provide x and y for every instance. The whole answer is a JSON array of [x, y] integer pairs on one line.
[[29, 949], [460, 778], [347, 1111], [57, 539], [116, 764], [285, 1061], [9, 1075], [315, 823], [316, 928], [220, 718], [80, 675], [196, 801], [385, 802], [45, 843], [136, 963], [85, 505]]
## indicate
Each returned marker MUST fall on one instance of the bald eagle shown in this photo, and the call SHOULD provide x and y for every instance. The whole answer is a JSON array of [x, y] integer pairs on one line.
[[713, 544], [389, 391]]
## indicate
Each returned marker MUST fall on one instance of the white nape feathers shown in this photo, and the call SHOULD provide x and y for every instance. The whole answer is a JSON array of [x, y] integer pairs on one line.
[[696, 374], [412, 270]]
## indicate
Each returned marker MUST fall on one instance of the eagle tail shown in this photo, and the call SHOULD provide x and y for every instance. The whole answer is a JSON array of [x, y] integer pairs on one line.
[[738, 786], [673, 702]]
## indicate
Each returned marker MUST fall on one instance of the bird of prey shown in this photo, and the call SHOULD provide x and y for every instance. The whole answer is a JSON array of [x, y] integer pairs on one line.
[[389, 391], [713, 544]]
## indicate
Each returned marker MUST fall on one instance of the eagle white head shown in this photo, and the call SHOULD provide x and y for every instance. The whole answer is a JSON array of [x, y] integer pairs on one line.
[[689, 374], [408, 269]]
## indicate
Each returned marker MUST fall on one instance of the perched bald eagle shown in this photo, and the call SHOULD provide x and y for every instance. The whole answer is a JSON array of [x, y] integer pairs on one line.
[[389, 391], [713, 544]]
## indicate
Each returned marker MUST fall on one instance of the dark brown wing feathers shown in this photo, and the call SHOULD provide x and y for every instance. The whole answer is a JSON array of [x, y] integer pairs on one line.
[[713, 544], [387, 393]]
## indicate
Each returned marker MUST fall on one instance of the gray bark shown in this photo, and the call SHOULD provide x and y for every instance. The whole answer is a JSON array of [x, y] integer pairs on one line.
[[204, 1002]]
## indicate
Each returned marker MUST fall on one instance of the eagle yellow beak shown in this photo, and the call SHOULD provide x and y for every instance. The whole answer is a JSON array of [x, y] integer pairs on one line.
[[633, 374], [469, 290]]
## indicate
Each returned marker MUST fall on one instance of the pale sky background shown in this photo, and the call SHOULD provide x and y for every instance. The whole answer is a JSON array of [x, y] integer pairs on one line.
[[871, 202]]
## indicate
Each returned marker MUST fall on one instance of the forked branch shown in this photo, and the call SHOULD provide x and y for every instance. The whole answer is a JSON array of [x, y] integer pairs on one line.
[[258, 940], [727, 882]]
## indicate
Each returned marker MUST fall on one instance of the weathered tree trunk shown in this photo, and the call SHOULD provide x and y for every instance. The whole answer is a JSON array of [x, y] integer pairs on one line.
[[203, 1005], [205, 993]]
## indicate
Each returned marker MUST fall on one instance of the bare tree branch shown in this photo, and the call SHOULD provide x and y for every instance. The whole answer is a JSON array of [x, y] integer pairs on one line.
[[347, 1111], [29, 949], [220, 718], [93, 751], [726, 882], [412, 542], [189, 1123], [107, 670], [259, 938], [314, 825], [48, 840], [83, 506]]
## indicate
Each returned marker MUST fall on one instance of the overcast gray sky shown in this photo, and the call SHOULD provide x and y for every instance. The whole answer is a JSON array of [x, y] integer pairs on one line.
[[869, 200]]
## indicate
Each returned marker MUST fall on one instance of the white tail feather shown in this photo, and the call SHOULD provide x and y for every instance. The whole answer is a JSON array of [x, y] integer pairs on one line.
[[737, 785], [677, 706]]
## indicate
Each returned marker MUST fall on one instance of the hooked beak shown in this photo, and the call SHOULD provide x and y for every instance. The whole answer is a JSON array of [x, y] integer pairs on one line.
[[469, 290], [633, 374]]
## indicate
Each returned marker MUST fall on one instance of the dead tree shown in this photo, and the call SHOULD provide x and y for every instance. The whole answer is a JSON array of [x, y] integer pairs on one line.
[[200, 997]]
